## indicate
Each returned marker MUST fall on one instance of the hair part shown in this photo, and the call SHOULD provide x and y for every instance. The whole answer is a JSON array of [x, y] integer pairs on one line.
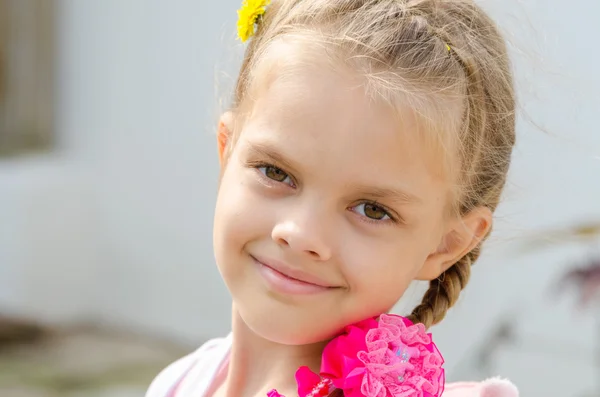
[[444, 58]]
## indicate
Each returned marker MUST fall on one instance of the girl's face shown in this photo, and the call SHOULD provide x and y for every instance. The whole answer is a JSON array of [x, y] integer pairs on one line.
[[329, 206]]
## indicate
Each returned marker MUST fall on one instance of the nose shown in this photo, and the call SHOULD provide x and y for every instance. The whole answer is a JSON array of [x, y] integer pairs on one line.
[[302, 238]]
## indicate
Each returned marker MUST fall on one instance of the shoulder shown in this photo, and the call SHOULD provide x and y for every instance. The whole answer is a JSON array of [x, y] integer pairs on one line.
[[494, 387], [209, 353]]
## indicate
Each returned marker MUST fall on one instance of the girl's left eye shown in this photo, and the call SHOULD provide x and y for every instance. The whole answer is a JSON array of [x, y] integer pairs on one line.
[[276, 174], [372, 211]]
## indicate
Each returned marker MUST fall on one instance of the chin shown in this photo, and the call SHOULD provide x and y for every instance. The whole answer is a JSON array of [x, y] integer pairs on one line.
[[287, 326]]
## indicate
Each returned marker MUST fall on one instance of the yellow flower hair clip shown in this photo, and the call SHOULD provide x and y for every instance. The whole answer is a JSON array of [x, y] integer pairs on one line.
[[248, 15]]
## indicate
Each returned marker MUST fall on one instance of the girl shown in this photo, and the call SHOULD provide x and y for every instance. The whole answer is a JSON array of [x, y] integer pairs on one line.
[[367, 147]]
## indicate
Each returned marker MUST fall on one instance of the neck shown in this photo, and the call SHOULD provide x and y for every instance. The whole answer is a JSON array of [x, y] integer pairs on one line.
[[257, 365]]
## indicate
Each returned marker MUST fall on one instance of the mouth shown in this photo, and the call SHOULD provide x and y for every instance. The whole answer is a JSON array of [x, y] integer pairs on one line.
[[285, 279]]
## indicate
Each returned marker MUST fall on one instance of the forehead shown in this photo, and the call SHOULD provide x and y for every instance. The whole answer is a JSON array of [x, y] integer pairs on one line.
[[303, 70], [328, 111], [323, 121]]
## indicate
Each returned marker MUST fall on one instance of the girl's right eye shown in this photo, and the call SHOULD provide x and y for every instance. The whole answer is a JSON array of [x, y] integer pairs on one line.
[[276, 174]]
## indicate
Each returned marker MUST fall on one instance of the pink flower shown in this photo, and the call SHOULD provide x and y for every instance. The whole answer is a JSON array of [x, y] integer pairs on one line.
[[391, 357]]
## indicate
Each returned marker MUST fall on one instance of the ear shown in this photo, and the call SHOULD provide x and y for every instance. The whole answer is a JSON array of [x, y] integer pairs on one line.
[[224, 134], [462, 236]]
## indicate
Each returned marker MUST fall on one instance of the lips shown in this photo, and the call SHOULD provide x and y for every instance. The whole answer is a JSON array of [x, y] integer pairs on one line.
[[293, 274]]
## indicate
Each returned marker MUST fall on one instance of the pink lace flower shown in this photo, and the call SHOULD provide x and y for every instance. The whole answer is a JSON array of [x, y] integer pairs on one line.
[[389, 357]]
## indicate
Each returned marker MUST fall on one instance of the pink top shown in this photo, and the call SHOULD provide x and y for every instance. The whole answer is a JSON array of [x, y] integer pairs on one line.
[[197, 373]]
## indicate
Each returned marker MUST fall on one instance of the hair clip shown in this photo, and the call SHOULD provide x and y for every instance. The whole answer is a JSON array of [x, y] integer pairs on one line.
[[248, 16]]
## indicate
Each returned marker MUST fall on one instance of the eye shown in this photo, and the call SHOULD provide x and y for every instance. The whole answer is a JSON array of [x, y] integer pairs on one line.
[[373, 211], [275, 174]]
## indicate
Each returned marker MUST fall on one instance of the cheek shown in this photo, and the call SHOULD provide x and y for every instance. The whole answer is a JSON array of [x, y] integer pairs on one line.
[[383, 271], [239, 216]]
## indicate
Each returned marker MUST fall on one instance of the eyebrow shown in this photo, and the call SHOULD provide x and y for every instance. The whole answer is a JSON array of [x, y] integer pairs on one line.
[[397, 195], [377, 193], [266, 150]]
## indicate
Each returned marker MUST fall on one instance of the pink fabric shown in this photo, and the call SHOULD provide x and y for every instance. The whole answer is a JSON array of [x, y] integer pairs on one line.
[[194, 374], [494, 387], [175, 388], [203, 371], [388, 357], [307, 381]]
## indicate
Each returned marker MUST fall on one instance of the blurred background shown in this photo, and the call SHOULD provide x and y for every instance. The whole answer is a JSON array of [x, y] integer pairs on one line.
[[108, 173]]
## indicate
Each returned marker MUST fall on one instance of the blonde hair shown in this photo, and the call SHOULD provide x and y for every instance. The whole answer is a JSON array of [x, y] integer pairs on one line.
[[430, 51]]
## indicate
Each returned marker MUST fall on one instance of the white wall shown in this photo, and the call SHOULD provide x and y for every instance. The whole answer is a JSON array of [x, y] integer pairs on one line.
[[140, 76], [118, 224], [48, 240]]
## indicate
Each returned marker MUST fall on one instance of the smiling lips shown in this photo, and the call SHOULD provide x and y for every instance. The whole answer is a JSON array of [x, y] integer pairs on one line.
[[284, 279]]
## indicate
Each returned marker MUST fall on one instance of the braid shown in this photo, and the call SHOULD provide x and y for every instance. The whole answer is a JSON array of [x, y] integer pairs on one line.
[[444, 291]]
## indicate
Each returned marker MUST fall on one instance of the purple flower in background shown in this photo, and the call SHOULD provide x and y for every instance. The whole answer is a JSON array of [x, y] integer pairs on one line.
[[587, 281]]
